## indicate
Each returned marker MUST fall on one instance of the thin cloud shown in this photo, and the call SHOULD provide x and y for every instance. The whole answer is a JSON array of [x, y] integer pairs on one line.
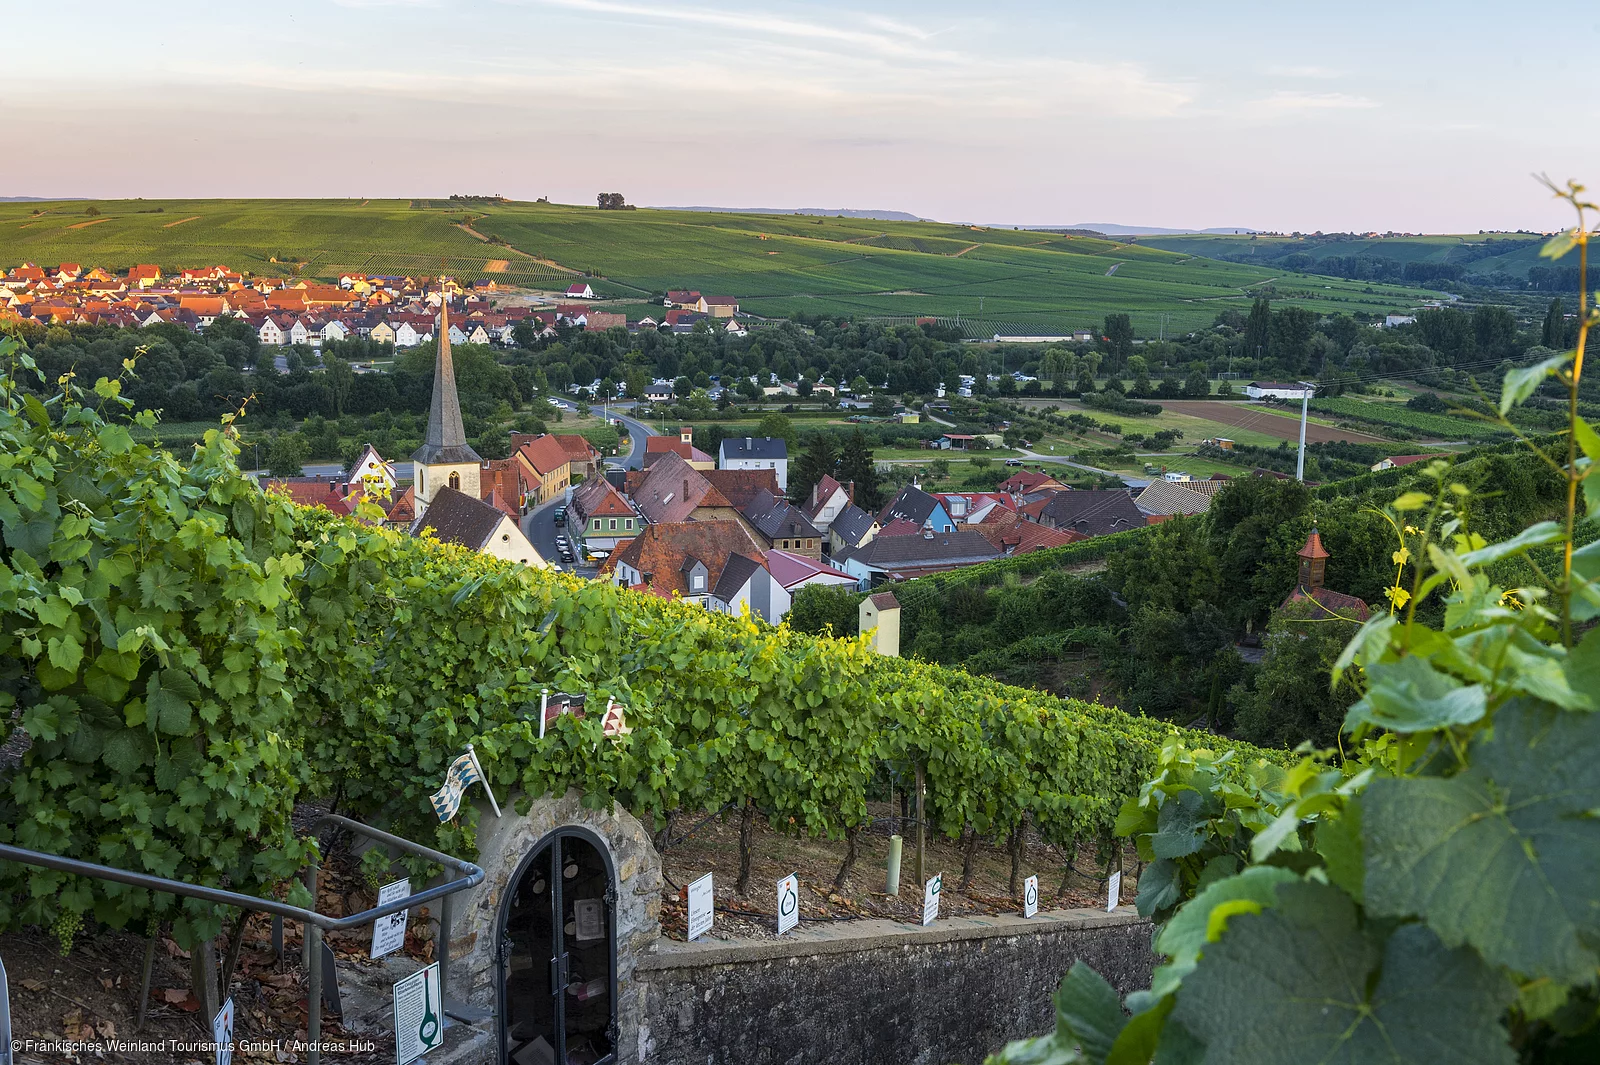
[[1288, 102], [1303, 72]]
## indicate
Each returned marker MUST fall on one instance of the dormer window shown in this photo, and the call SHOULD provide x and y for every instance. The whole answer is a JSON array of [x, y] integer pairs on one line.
[[698, 582]]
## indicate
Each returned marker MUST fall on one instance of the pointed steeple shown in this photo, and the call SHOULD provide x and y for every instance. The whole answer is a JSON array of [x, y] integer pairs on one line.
[[1313, 561], [446, 441]]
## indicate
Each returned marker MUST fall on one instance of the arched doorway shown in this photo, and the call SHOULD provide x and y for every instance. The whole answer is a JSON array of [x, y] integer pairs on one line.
[[557, 985]]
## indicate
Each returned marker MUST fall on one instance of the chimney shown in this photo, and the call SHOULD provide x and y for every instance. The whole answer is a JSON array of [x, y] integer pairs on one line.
[[686, 434], [686, 488], [748, 443], [850, 493]]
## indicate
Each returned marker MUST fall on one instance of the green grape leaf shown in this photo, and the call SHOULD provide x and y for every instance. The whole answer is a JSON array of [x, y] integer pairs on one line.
[[1521, 381], [127, 750], [1295, 983], [1181, 825], [1544, 532], [1185, 936], [1159, 887], [1338, 840], [1504, 856], [1089, 1009], [1583, 663], [1137, 1043], [1045, 1050], [1411, 696]]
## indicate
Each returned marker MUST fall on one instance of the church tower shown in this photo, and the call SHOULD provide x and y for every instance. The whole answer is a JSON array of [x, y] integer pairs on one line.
[[1313, 562], [445, 459]]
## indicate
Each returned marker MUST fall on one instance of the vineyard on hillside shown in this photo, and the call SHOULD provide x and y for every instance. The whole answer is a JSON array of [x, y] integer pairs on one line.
[[192, 657]]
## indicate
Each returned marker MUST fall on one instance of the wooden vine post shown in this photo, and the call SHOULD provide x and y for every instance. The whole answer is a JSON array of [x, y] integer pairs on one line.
[[922, 828]]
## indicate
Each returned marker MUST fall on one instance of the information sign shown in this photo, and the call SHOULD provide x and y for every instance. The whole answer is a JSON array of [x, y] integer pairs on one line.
[[389, 931], [1030, 896], [788, 903], [418, 1015], [702, 906], [930, 898]]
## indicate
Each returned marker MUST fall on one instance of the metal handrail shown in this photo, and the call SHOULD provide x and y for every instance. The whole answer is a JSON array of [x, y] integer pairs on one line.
[[316, 923]]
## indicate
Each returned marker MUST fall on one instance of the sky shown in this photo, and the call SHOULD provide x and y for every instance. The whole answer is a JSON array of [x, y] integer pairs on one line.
[[1421, 117]]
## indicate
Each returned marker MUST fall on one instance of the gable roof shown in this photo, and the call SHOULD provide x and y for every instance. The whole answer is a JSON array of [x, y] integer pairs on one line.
[[821, 492], [790, 569], [852, 525], [1324, 603], [885, 601], [671, 490], [457, 518], [754, 447], [1095, 512], [577, 448], [314, 492], [545, 454], [1014, 536], [1164, 497], [656, 446], [660, 552], [741, 487], [598, 497], [912, 503], [774, 517], [941, 550], [735, 575]]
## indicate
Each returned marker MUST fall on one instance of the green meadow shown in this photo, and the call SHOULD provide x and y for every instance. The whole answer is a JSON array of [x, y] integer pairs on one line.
[[992, 280]]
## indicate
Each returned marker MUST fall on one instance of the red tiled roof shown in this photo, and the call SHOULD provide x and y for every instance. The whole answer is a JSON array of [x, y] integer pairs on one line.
[[1329, 603], [314, 492], [1314, 548], [901, 527], [662, 551], [545, 454]]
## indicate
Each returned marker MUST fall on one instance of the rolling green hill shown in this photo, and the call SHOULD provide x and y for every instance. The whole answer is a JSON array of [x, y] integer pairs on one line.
[[994, 280], [1479, 254]]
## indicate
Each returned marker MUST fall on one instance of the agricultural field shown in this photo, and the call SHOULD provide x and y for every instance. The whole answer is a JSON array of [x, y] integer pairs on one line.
[[1435, 426], [991, 280], [1199, 419], [1478, 253]]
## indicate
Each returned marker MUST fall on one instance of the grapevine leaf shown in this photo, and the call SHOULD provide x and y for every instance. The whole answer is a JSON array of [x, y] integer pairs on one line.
[[1558, 245], [1137, 1042], [1544, 532], [1583, 663], [1088, 1008], [1294, 982], [1159, 887], [1180, 827], [126, 750], [1521, 381], [1338, 840], [1504, 856], [1186, 935], [1411, 696]]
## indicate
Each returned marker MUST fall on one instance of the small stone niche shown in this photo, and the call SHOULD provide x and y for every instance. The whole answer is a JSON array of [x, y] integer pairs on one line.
[[549, 941]]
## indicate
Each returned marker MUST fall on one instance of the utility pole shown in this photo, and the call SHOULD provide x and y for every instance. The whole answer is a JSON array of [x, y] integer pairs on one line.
[[1306, 388]]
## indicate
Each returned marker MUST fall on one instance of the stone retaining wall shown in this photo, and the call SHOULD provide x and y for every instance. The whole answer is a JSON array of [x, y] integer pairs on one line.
[[875, 992]]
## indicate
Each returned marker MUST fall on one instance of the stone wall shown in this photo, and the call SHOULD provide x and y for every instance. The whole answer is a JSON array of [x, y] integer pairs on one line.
[[502, 845], [875, 992]]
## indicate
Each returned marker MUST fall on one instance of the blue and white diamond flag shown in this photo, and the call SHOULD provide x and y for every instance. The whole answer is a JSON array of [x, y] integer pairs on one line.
[[464, 771]]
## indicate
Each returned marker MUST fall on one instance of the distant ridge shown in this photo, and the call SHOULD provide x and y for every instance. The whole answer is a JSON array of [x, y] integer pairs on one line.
[[38, 199], [828, 212], [1112, 229]]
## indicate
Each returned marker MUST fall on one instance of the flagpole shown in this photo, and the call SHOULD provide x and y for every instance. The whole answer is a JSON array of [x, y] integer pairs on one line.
[[484, 778]]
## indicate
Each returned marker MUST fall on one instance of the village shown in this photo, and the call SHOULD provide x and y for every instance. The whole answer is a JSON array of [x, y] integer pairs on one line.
[[716, 530], [287, 311]]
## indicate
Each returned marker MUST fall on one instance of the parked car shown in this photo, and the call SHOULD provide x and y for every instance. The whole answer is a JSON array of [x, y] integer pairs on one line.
[[1013, 462]]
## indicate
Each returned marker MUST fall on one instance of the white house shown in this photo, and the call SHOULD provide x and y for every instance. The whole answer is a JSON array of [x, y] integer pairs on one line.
[[792, 572], [734, 328], [457, 336], [580, 291], [756, 453], [301, 333], [333, 329], [407, 335], [1278, 390], [479, 335], [1393, 320], [371, 464], [272, 334]]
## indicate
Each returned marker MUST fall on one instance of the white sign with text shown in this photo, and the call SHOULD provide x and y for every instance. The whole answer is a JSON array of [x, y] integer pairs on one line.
[[1113, 891], [1030, 896], [930, 898], [702, 906], [418, 1015], [389, 931], [788, 903]]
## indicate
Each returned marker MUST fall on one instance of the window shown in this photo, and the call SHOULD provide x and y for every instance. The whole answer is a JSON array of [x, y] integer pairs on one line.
[[613, 524], [699, 583], [455, 481], [628, 524]]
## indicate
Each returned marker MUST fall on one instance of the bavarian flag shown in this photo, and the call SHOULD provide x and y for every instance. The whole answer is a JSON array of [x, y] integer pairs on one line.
[[462, 772]]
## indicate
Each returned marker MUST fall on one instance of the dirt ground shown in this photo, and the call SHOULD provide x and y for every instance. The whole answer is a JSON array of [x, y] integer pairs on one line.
[[1279, 425], [710, 844]]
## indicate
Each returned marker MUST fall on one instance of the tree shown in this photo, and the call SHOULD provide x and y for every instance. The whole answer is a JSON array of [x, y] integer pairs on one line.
[[1258, 330], [749, 389], [1554, 333], [681, 387], [525, 334], [856, 464], [1119, 335], [287, 456], [341, 378], [1141, 374], [1196, 383], [1292, 701], [611, 201], [824, 610], [820, 459], [1495, 331], [882, 405], [779, 427]]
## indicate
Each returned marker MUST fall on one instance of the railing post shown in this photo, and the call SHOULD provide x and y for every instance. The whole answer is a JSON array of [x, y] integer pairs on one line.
[[203, 974], [307, 954], [314, 994], [443, 953]]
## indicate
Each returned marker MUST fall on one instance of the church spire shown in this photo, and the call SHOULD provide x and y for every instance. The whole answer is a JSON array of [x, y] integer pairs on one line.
[[446, 441]]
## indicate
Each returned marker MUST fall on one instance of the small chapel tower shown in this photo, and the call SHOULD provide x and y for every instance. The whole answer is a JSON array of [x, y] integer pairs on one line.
[[445, 459], [1313, 562]]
